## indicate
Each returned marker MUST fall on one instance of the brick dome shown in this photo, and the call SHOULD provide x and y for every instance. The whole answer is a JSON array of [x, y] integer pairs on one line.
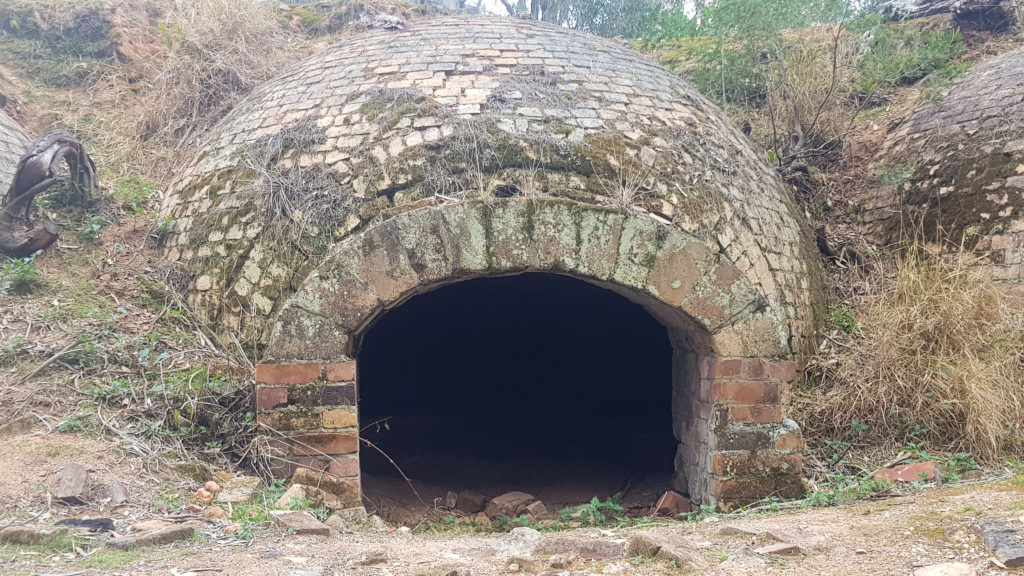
[[462, 109], [963, 158]]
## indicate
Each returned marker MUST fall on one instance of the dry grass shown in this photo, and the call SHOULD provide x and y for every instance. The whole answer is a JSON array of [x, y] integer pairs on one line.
[[936, 355], [216, 52]]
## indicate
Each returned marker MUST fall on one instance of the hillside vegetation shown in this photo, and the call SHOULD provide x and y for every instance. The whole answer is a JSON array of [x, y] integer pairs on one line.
[[919, 351]]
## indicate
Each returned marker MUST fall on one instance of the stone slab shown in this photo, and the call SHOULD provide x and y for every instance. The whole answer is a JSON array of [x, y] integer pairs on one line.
[[302, 524], [166, 535], [1004, 543]]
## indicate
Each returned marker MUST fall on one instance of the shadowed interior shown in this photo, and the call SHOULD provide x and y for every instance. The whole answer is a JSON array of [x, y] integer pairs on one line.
[[535, 382]]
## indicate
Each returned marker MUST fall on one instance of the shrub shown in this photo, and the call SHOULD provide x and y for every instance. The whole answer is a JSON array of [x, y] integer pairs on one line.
[[900, 54], [936, 357], [19, 275]]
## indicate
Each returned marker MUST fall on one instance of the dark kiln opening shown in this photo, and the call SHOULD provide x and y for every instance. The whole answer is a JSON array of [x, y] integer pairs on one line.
[[536, 382]]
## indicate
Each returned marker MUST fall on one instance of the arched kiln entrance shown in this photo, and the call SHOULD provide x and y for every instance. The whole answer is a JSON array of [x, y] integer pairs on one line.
[[726, 360]]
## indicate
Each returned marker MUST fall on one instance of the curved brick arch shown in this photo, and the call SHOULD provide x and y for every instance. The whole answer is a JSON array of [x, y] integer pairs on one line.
[[730, 358]]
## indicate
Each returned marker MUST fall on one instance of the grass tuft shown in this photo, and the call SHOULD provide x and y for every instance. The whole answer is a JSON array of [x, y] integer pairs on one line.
[[936, 358]]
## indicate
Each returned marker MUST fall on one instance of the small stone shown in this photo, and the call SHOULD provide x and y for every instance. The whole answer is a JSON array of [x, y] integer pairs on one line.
[[560, 562], [173, 533], [334, 488], [737, 531], [513, 568], [374, 558], [295, 494], [538, 510], [212, 487], [27, 536], [204, 496], [232, 529], [510, 505], [926, 471], [670, 547], [194, 508], [149, 525], [215, 513], [239, 489], [781, 548], [375, 522], [671, 504], [302, 524], [946, 569], [348, 520], [72, 483], [471, 502], [520, 542], [114, 492]]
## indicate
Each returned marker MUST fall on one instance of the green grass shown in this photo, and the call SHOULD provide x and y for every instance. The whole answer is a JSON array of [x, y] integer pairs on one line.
[[79, 300]]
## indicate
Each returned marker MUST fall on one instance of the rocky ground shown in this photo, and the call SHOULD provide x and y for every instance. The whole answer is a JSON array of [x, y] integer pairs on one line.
[[909, 533]]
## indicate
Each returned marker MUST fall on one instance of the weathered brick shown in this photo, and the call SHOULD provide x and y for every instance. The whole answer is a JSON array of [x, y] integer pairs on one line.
[[270, 398], [341, 372], [756, 488], [782, 370], [789, 441], [287, 374], [743, 438], [755, 464], [344, 467], [329, 444], [289, 420], [928, 471], [758, 414], [339, 395], [746, 391], [339, 418], [306, 395]]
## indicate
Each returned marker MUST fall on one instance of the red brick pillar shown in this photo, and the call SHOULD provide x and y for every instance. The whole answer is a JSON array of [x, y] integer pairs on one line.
[[309, 412], [754, 451]]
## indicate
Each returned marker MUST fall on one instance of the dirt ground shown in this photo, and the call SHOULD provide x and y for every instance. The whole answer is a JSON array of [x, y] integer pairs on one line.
[[887, 536]]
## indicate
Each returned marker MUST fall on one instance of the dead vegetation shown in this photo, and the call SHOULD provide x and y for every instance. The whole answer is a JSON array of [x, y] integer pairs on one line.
[[930, 354]]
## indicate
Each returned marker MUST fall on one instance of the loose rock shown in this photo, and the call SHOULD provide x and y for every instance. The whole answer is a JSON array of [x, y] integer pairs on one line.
[[782, 548], [149, 525], [215, 513], [72, 483], [29, 536], [471, 502], [520, 542], [926, 471], [375, 522], [240, 489], [538, 510], [374, 558], [347, 520], [114, 492], [510, 505], [1004, 543], [664, 547], [946, 569], [173, 533], [671, 504], [302, 524]]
